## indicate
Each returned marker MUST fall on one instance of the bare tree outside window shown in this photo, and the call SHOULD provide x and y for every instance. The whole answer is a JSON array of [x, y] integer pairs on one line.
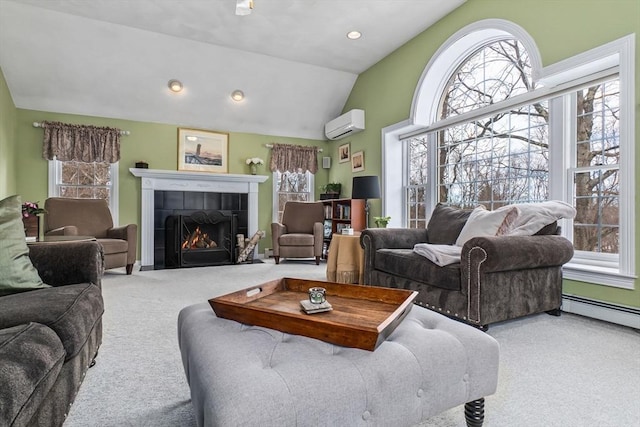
[[596, 174], [417, 188], [294, 186], [504, 158]]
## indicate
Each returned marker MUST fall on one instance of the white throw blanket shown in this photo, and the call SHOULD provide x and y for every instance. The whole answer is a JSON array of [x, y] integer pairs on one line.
[[439, 254]]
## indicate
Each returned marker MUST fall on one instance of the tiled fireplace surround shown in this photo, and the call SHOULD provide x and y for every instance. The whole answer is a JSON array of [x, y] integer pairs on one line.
[[164, 191]]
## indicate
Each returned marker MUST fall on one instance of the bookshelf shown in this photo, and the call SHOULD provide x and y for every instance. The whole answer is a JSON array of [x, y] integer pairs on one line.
[[342, 213]]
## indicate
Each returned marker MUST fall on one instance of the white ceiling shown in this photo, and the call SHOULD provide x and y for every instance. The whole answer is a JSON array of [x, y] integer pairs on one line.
[[113, 58]]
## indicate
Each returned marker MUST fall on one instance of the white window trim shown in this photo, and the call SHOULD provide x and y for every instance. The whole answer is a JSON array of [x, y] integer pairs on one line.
[[274, 192], [618, 53], [55, 172]]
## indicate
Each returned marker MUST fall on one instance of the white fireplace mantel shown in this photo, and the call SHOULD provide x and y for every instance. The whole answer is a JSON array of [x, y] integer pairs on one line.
[[166, 180]]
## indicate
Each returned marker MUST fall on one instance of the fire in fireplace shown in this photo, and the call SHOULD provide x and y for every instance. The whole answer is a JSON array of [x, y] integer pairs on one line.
[[200, 239]]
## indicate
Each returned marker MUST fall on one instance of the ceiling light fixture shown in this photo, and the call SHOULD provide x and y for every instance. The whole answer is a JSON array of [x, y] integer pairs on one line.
[[237, 95], [244, 7], [354, 35], [175, 85]]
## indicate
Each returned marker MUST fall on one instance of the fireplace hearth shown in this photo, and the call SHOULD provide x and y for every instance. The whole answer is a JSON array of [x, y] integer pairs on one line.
[[202, 238]]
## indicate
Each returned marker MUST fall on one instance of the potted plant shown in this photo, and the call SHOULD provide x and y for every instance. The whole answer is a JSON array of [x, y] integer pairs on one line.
[[381, 221], [330, 191], [253, 162], [30, 212]]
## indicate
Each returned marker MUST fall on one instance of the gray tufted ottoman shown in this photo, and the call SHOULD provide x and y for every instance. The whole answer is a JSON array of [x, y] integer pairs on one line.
[[243, 375]]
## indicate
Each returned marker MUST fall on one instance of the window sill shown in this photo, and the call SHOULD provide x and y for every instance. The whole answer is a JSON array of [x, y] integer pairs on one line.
[[598, 275]]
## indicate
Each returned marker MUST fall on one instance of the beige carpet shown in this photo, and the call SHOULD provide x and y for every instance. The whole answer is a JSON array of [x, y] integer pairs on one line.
[[566, 371]]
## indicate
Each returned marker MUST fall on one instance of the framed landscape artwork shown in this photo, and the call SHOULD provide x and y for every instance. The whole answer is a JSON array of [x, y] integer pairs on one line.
[[203, 151], [344, 154], [357, 161]]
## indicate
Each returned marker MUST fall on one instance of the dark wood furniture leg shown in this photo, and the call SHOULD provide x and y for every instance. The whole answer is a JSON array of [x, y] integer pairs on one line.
[[277, 258], [129, 268], [474, 413], [317, 260], [555, 312]]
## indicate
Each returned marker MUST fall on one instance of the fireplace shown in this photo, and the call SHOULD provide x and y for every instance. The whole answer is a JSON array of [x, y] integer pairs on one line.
[[165, 193], [202, 238]]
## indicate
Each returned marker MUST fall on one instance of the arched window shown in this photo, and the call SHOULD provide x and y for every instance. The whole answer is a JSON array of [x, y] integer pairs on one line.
[[491, 159], [490, 126]]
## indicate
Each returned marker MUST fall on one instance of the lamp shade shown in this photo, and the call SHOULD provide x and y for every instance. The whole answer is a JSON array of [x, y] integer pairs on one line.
[[365, 187]]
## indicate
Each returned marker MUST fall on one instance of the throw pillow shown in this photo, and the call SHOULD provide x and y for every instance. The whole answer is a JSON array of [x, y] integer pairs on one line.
[[445, 224], [535, 216], [18, 273], [482, 223]]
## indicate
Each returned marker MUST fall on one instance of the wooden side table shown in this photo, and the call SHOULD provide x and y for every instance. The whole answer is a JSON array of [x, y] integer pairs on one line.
[[345, 263]]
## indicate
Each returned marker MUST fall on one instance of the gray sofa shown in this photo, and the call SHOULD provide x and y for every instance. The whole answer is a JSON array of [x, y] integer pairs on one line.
[[49, 337], [498, 278]]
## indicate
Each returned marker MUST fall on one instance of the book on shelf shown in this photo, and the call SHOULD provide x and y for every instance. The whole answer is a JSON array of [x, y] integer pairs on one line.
[[344, 212]]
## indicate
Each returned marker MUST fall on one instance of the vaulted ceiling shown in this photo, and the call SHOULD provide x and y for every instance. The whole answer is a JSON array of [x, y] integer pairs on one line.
[[114, 58]]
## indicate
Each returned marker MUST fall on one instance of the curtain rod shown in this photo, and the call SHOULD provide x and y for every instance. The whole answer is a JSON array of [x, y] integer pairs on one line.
[[122, 132], [271, 146]]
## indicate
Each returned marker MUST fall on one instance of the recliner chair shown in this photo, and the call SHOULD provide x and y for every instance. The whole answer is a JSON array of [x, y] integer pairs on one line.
[[92, 217], [300, 235]]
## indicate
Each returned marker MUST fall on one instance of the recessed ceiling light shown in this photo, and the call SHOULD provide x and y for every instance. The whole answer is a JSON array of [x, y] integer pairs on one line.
[[354, 35], [175, 85], [237, 95]]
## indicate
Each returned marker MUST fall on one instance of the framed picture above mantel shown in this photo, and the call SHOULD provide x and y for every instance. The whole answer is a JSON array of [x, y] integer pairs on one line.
[[203, 151]]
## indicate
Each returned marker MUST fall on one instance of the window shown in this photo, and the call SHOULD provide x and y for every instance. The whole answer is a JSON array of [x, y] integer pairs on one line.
[[595, 168], [416, 189], [493, 134], [86, 181], [297, 186]]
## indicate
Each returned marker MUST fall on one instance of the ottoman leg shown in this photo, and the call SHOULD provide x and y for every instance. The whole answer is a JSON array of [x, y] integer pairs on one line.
[[474, 413]]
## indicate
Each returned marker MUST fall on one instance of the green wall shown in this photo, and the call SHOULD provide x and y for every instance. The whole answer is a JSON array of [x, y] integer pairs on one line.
[[157, 144], [560, 28], [8, 145]]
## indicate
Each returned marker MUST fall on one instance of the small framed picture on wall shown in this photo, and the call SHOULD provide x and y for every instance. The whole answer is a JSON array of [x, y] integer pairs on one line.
[[344, 153], [357, 161]]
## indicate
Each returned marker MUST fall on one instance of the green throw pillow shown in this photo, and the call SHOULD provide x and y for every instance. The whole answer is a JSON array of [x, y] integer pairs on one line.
[[17, 272]]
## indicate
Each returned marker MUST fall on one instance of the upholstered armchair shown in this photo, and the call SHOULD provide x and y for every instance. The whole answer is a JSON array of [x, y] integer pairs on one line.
[[301, 233], [91, 217]]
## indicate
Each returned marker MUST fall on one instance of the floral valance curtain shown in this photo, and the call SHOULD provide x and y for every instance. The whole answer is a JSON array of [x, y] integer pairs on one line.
[[80, 143], [290, 158]]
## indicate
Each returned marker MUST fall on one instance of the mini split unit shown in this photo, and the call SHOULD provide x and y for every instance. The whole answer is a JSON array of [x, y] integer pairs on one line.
[[345, 125]]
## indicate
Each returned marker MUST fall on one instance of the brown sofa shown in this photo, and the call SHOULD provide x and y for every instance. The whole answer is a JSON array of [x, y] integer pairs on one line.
[[498, 277], [91, 217]]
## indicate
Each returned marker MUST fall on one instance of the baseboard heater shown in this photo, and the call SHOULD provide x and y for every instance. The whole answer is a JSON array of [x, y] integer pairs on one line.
[[620, 314]]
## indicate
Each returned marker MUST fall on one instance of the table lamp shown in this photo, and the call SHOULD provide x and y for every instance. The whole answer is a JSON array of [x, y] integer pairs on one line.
[[365, 187]]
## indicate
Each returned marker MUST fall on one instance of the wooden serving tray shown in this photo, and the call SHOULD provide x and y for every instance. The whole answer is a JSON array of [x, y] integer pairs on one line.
[[362, 316]]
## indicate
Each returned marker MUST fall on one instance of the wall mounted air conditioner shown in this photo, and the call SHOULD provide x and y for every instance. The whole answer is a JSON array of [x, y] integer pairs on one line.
[[347, 124]]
